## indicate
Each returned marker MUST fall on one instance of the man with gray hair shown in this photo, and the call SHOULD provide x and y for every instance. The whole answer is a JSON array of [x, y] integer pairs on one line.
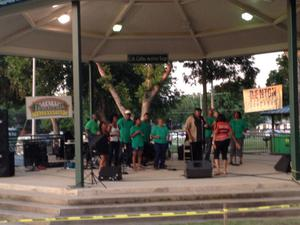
[[194, 127]]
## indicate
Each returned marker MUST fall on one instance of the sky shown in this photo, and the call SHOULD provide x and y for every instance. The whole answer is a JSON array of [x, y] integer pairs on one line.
[[264, 62]]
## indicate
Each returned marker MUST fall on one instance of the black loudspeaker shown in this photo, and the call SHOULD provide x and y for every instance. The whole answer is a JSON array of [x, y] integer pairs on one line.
[[35, 153], [42, 156], [110, 173], [198, 169], [180, 152], [69, 152], [7, 164], [7, 158], [30, 153], [284, 164]]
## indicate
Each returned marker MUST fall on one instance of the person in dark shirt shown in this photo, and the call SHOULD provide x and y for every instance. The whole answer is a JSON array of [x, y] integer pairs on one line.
[[102, 145]]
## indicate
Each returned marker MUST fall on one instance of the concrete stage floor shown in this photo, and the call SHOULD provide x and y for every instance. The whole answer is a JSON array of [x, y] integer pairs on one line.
[[256, 174]]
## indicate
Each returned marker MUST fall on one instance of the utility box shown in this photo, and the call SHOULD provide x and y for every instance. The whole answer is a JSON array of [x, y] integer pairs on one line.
[[281, 145]]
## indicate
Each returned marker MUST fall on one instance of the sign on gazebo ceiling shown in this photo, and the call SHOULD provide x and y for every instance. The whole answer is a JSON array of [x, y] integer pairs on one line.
[[9, 2], [155, 58]]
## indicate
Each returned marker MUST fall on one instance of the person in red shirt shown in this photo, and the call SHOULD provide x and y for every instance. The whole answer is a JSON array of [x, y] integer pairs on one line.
[[221, 140]]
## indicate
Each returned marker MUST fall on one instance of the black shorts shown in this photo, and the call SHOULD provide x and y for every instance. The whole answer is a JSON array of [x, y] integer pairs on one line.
[[221, 148]]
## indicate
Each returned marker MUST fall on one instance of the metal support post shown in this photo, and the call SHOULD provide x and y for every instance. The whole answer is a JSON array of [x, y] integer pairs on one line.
[[293, 88], [204, 84], [91, 89], [76, 44]]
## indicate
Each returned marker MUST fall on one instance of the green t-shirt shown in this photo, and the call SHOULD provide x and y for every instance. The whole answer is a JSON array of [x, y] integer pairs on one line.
[[146, 129], [162, 132], [208, 131], [124, 126], [92, 126], [238, 127], [138, 140]]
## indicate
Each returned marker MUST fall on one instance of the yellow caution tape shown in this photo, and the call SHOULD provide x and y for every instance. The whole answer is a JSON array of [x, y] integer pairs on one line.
[[153, 215]]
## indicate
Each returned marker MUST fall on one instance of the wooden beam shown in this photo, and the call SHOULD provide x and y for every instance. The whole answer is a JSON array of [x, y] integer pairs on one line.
[[254, 11], [119, 18], [67, 31], [54, 15], [184, 2], [29, 19], [283, 17], [190, 27], [164, 35], [210, 33], [14, 36]]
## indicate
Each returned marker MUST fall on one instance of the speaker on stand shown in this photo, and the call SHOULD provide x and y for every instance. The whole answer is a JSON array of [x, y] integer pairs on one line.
[[7, 158], [198, 169], [284, 164]]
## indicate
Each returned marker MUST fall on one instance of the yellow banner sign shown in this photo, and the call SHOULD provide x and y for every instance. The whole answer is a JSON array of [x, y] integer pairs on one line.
[[48, 107], [262, 99]]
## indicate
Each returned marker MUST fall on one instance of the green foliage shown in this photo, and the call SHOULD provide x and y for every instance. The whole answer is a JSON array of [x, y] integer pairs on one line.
[[133, 82], [230, 69], [229, 102], [18, 71], [126, 98], [236, 73], [184, 107], [17, 116], [52, 77], [281, 76]]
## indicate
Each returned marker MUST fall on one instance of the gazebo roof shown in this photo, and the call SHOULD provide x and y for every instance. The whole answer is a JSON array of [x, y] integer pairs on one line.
[[283, 111], [183, 29]]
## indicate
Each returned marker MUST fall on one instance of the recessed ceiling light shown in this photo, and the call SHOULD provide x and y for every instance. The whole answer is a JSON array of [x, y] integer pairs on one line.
[[117, 27], [63, 19], [247, 16], [54, 6]]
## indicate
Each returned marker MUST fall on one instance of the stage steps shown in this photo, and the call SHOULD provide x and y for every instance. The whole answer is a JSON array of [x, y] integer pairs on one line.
[[17, 204], [175, 206], [168, 202], [32, 196], [166, 197], [14, 215]]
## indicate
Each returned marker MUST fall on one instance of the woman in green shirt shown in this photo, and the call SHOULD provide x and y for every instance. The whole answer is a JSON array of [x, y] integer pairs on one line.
[[137, 137], [159, 135], [239, 127]]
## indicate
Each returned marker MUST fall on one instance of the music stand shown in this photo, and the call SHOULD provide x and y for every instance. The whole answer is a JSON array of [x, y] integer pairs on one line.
[[91, 175]]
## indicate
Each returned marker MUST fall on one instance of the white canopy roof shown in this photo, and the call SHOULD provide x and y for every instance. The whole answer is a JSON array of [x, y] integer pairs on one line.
[[184, 29]]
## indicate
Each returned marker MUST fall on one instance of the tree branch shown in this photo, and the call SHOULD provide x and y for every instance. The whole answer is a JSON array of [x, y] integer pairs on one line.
[[112, 91], [157, 87], [149, 96]]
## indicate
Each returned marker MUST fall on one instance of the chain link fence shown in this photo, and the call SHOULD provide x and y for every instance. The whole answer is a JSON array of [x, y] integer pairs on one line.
[[254, 142]]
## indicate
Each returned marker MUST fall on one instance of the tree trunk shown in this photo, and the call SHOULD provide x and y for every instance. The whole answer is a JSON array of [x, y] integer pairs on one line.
[[55, 127], [145, 107], [101, 110], [112, 91], [148, 96]]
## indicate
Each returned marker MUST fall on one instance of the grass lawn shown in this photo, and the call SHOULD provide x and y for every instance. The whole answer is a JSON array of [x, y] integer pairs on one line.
[[275, 221], [255, 144]]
